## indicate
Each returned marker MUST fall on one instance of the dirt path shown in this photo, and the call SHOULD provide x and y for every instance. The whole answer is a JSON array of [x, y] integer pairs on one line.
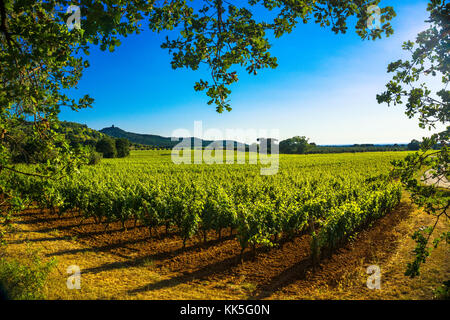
[[132, 264], [440, 181]]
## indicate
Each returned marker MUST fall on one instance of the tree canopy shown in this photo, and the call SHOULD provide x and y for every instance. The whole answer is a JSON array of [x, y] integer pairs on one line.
[[414, 145], [122, 147], [107, 147], [410, 85], [295, 145]]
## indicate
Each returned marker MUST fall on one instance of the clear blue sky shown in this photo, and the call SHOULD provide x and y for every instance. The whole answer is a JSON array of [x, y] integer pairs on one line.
[[324, 88]]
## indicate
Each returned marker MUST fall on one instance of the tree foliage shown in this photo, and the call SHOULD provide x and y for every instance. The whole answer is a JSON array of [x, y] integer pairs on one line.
[[122, 147], [295, 145], [430, 58], [414, 145], [107, 147], [225, 36]]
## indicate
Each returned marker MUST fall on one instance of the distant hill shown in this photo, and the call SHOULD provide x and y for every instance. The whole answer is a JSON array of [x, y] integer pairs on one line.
[[155, 140], [145, 139]]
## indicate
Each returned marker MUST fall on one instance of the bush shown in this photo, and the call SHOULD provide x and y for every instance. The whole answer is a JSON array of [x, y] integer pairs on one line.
[[107, 147], [94, 158], [23, 282], [122, 147], [443, 292]]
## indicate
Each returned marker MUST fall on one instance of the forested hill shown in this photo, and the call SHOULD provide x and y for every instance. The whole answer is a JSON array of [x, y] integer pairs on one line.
[[154, 140], [296, 145], [145, 139]]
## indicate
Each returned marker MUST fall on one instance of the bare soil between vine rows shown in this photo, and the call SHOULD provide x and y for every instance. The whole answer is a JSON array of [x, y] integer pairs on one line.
[[132, 264]]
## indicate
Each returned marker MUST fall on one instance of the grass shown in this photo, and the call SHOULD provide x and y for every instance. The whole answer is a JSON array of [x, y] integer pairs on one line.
[[148, 263], [250, 287]]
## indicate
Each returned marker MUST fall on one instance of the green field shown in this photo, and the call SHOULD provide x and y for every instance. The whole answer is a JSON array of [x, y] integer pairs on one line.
[[331, 196]]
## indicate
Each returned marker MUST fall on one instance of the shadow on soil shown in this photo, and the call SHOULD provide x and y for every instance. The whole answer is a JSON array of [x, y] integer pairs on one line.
[[379, 235], [160, 256], [364, 243]]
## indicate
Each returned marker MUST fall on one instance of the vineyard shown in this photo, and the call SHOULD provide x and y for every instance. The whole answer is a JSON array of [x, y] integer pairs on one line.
[[328, 196]]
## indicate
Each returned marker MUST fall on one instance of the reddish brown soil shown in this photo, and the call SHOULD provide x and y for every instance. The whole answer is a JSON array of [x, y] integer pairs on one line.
[[285, 269]]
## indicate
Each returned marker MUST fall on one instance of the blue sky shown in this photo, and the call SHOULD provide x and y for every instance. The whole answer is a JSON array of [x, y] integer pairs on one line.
[[324, 88]]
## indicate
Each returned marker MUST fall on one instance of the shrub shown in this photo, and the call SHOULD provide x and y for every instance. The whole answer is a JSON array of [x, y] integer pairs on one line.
[[122, 147], [23, 281], [107, 147], [94, 158], [443, 292]]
